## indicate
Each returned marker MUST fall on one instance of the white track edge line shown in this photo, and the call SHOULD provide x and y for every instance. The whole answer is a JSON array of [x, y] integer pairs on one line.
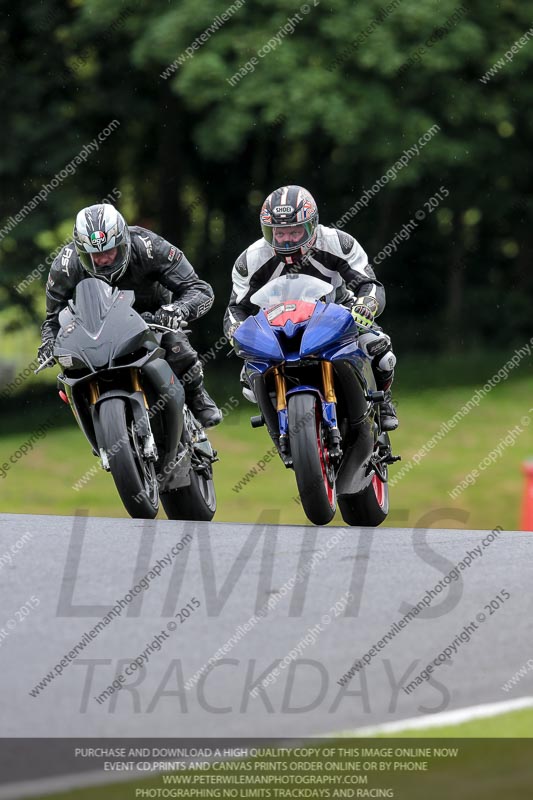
[[454, 717]]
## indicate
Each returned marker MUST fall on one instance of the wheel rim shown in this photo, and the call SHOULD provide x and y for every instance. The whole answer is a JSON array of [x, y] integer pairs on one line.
[[325, 465], [379, 490]]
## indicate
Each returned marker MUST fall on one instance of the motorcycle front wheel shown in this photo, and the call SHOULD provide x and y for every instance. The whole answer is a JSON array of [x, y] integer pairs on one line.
[[134, 476], [315, 476]]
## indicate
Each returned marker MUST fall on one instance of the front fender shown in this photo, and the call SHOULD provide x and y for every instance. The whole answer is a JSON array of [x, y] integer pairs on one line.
[[307, 390], [135, 400]]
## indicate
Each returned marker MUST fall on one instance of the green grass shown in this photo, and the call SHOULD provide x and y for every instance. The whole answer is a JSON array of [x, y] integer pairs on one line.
[[41, 483]]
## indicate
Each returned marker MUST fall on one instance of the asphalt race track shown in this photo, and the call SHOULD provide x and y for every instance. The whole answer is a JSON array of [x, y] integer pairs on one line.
[[356, 584]]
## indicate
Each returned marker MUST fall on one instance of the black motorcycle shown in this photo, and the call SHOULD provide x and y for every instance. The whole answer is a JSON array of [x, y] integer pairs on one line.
[[131, 406]]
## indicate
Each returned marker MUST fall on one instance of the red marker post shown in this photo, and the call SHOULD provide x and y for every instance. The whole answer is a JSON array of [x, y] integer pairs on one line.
[[526, 523]]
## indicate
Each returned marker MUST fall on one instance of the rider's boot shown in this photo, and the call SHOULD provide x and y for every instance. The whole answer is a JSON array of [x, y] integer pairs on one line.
[[378, 347], [201, 404], [387, 412]]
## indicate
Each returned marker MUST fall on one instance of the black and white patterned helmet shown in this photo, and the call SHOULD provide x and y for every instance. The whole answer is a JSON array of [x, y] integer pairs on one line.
[[103, 242], [289, 219]]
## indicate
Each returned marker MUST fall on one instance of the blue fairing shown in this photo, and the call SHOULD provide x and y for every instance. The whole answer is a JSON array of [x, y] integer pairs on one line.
[[330, 333], [258, 366], [330, 325], [255, 338]]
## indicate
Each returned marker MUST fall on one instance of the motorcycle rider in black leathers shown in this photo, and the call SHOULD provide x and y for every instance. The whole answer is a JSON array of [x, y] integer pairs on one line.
[[293, 241], [164, 282]]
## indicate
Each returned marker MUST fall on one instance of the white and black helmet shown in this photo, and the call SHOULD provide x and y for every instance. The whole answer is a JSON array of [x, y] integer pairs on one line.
[[99, 229], [289, 208]]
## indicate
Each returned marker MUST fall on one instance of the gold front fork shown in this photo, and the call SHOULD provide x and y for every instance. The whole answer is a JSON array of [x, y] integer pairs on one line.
[[137, 384], [281, 399], [327, 380], [94, 392]]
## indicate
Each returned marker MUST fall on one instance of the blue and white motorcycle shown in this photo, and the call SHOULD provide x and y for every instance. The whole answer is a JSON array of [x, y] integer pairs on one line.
[[307, 366]]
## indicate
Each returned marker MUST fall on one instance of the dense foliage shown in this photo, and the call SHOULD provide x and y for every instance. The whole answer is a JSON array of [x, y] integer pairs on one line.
[[218, 104]]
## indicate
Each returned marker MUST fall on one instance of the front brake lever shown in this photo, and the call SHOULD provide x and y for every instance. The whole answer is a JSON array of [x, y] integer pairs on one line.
[[157, 327], [44, 365]]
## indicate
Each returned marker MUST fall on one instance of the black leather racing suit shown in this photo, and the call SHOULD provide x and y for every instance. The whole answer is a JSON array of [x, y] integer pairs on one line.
[[158, 273]]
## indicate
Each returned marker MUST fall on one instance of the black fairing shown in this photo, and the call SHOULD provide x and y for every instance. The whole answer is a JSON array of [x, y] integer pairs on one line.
[[102, 326], [359, 437], [103, 337]]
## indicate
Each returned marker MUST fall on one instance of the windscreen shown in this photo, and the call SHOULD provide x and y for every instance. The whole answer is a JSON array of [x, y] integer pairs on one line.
[[292, 287], [92, 301]]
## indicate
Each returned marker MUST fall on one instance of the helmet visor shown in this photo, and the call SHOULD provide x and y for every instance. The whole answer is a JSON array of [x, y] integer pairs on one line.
[[108, 264], [289, 238]]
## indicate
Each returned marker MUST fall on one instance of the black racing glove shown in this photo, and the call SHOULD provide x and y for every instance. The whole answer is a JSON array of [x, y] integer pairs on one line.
[[45, 351], [171, 316]]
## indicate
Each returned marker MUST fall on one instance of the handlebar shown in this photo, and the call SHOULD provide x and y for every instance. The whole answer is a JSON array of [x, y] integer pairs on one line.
[[148, 317], [152, 325]]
